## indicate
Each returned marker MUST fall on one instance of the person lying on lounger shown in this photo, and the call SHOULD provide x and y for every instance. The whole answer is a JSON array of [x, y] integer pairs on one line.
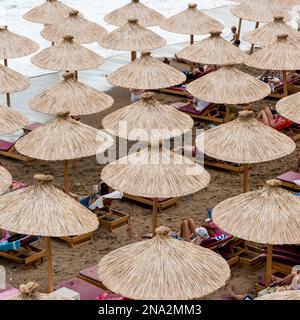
[[270, 117], [199, 105], [136, 94], [272, 77]]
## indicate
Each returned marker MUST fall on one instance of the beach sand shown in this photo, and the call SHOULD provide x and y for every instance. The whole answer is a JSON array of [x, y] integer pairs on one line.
[[68, 262]]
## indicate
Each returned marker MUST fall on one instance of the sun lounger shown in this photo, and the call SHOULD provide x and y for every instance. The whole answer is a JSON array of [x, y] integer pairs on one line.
[[285, 257], [163, 203], [292, 88], [8, 293], [8, 149], [180, 90], [75, 241], [22, 251], [287, 180], [261, 285], [212, 112]]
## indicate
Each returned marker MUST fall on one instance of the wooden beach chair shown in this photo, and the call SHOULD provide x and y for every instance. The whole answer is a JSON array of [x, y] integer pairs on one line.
[[113, 219], [90, 275], [7, 148], [163, 203], [287, 180], [213, 112], [292, 88], [75, 241]]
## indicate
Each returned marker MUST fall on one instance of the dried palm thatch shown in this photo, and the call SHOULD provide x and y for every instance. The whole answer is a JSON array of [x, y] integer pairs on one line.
[[213, 50], [132, 37], [45, 210], [245, 140], [280, 55], [72, 96], [12, 81], [283, 295], [148, 120], [267, 215], [67, 55], [11, 121], [5, 180], [135, 10], [49, 12], [259, 11], [229, 85], [191, 22], [63, 139], [28, 291], [288, 4], [156, 173], [83, 30], [146, 73], [13, 45], [289, 107], [267, 34], [163, 269]]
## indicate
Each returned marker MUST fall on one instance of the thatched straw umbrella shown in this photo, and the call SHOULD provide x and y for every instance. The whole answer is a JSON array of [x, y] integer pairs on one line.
[[282, 55], [148, 120], [134, 10], [28, 291], [72, 96], [46, 211], [245, 140], [229, 85], [5, 180], [146, 73], [63, 139], [132, 37], [66, 56], [163, 268], [155, 172], [289, 107], [258, 11], [49, 12], [11, 81], [191, 22], [269, 215], [214, 50], [83, 30], [282, 295], [267, 35], [11, 121]]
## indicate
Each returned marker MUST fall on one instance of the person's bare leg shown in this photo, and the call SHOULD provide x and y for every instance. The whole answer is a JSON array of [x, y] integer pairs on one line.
[[265, 118], [185, 231], [192, 225]]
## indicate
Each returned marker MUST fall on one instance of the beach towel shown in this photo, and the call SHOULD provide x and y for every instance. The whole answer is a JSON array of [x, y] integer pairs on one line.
[[99, 202]]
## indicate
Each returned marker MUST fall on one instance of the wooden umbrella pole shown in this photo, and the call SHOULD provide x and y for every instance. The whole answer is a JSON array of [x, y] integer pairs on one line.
[[192, 39], [269, 265], [76, 74], [252, 45], [133, 56], [154, 217], [246, 178], [240, 27], [50, 264], [66, 177], [285, 84], [7, 94]]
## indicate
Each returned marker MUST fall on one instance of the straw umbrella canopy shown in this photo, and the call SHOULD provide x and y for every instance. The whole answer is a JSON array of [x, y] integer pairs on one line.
[[134, 10], [46, 211], [11, 121], [132, 37], [214, 50], [14, 46], [146, 73], [11, 81], [269, 215], [245, 140], [83, 30], [148, 120], [282, 55], [67, 55], [49, 12], [5, 180], [267, 35], [72, 96], [155, 172], [282, 295], [163, 268], [229, 85], [63, 139], [29, 291], [191, 22], [258, 11], [289, 107]]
